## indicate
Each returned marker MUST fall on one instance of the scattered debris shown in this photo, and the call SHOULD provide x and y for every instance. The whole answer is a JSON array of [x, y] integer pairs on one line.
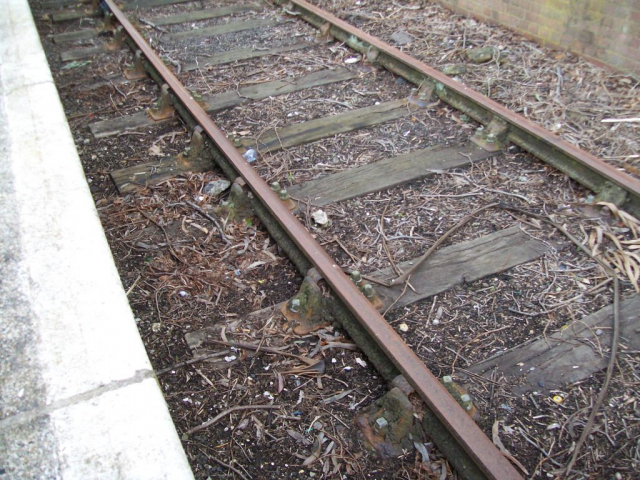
[[482, 54], [454, 70], [402, 38], [216, 187], [320, 218]]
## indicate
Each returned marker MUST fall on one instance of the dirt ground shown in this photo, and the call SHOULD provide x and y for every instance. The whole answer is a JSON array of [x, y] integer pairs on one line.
[[273, 414]]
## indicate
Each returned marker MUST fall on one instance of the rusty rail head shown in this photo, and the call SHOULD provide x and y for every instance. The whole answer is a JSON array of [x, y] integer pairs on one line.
[[481, 450], [585, 161]]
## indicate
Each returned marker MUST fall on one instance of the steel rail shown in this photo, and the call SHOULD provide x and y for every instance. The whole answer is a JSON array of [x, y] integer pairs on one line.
[[465, 431], [580, 165]]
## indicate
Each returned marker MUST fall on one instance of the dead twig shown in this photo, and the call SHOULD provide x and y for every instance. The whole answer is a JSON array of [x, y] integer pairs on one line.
[[215, 419], [225, 465], [166, 236], [384, 241], [189, 362], [275, 351], [211, 218], [615, 336], [404, 290]]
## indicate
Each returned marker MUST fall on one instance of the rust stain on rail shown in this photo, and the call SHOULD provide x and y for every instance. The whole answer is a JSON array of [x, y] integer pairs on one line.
[[469, 436]]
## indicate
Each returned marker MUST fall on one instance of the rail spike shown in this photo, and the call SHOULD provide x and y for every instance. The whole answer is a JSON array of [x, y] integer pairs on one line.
[[108, 23], [324, 36], [494, 137], [118, 40], [196, 149], [136, 72], [162, 108], [424, 97], [308, 310], [238, 204]]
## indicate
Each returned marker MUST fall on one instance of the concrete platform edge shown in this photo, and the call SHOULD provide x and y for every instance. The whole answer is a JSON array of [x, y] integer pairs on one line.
[[78, 397]]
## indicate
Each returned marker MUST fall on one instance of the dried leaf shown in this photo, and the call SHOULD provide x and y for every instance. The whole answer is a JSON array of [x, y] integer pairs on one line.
[[298, 437], [337, 397], [495, 433], [280, 382], [316, 454], [155, 150]]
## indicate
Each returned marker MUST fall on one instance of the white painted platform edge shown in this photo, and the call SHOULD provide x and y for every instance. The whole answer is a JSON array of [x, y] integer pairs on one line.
[[107, 411]]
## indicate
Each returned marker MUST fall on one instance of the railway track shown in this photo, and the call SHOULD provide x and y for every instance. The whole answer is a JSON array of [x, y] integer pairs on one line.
[[395, 96]]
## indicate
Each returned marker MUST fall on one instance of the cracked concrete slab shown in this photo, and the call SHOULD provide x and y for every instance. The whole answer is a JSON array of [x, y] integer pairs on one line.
[[78, 398]]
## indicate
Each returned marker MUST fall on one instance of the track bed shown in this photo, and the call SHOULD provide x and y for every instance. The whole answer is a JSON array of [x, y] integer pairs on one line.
[[377, 171]]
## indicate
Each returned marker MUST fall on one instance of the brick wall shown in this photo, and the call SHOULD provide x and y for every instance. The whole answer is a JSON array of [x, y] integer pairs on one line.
[[607, 31]]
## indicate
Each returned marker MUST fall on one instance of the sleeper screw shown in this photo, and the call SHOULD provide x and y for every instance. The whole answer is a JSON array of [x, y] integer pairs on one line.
[[284, 195], [491, 138], [368, 291], [295, 305], [356, 277], [237, 142], [275, 186]]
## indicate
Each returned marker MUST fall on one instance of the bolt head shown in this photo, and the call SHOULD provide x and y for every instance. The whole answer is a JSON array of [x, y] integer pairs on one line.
[[275, 186], [491, 138], [465, 398], [381, 422], [368, 291], [447, 379], [284, 195], [237, 142], [356, 277], [295, 305]]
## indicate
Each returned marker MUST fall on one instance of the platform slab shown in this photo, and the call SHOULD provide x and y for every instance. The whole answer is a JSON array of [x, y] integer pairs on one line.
[[79, 397]]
